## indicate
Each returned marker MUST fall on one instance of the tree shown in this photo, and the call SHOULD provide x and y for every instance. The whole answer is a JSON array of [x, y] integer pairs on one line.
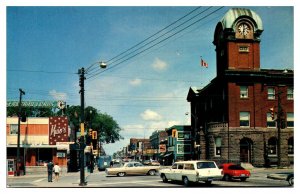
[[107, 128]]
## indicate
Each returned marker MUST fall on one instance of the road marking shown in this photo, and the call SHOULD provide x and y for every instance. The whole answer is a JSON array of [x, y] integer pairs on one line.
[[39, 180]]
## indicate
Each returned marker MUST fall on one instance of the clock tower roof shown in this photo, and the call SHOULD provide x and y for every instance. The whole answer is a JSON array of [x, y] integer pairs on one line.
[[231, 17]]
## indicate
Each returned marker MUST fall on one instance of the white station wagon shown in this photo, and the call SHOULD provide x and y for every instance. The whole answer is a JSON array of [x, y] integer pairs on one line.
[[192, 171]]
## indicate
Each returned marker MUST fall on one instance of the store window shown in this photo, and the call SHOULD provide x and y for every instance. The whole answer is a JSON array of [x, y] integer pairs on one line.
[[290, 120], [243, 91], [272, 146], [245, 119], [270, 122], [271, 93], [218, 142], [291, 146]]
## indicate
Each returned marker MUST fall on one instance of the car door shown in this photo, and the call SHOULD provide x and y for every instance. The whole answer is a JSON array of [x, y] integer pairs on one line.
[[129, 169], [178, 172], [171, 174]]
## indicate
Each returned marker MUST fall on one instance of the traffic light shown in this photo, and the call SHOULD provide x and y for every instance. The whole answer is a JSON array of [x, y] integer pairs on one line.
[[174, 133], [272, 113], [94, 135]]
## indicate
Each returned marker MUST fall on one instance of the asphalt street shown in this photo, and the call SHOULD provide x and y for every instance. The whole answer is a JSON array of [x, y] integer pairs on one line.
[[100, 180]]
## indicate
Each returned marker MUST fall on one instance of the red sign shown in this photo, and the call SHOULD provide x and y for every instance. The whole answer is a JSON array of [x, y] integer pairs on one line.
[[162, 148], [58, 130]]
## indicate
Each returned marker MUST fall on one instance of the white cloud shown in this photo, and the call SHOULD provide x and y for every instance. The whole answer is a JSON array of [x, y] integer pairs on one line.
[[135, 82], [58, 95], [159, 65], [150, 115]]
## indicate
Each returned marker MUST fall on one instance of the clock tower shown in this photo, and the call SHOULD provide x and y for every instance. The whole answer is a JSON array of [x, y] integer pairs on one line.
[[237, 41]]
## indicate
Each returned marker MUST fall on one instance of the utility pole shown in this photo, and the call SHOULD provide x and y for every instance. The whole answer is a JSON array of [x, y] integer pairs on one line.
[[82, 143], [18, 143], [279, 122]]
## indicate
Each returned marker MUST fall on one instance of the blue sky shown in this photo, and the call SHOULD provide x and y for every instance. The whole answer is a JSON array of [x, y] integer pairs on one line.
[[47, 45]]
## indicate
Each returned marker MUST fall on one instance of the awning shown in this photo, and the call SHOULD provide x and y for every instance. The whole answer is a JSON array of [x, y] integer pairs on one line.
[[168, 154]]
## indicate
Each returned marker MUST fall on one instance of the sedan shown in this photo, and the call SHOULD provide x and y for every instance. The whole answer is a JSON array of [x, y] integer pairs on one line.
[[132, 168], [233, 171]]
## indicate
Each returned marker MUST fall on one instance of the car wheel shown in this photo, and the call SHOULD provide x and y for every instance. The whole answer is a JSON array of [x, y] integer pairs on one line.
[[243, 179], [151, 172], [186, 181], [291, 181], [164, 178], [208, 182], [121, 174], [227, 177]]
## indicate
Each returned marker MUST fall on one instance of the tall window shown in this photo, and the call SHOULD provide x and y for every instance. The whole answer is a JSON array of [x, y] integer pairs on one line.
[[243, 91], [270, 121], [218, 142], [291, 146], [245, 119], [14, 129], [272, 145], [290, 93], [271, 93], [290, 119]]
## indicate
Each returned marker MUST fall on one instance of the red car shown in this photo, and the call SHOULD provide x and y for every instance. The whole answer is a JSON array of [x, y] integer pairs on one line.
[[233, 171]]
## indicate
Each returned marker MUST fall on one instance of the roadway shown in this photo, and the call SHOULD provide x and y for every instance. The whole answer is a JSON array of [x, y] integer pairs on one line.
[[100, 180]]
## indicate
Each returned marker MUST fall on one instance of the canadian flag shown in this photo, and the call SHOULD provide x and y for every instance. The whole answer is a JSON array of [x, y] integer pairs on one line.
[[203, 63]]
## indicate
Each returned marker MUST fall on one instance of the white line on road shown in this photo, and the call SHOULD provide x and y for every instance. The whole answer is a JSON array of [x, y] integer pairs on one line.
[[39, 180]]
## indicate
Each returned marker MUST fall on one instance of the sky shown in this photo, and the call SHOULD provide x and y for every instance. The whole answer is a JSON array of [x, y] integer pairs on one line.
[[143, 91]]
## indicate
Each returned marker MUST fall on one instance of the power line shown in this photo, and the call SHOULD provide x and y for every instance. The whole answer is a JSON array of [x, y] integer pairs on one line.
[[40, 71], [148, 37], [130, 57]]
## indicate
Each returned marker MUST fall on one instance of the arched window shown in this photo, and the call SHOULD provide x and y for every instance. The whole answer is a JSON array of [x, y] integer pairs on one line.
[[272, 145], [291, 146]]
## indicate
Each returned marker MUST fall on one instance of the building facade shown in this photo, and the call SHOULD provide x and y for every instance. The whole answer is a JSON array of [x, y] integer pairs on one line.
[[156, 138], [245, 114]]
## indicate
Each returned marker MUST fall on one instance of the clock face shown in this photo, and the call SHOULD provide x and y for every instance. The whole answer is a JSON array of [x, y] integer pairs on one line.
[[244, 29]]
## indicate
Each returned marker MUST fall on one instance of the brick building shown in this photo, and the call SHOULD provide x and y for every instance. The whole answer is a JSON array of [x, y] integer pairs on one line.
[[231, 117]]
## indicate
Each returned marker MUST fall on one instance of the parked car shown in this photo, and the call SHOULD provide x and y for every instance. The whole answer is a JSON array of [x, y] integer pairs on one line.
[[192, 171], [234, 171], [132, 168], [151, 162], [289, 177]]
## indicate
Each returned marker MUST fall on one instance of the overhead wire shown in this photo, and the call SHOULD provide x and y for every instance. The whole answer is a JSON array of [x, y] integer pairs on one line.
[[130, 57], [108, 61]]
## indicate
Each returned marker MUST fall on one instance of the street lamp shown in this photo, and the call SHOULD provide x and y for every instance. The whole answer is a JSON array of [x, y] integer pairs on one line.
[[18, 139], [81, 73]]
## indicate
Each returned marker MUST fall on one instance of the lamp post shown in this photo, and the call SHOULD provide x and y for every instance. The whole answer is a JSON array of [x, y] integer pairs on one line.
[[81, 73], [18, 140]]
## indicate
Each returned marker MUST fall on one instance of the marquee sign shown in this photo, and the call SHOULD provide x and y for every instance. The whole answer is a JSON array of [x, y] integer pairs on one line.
[[53, 104]]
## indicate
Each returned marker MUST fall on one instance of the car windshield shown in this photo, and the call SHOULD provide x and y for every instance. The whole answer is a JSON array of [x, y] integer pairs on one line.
[[201, 165], [235, 167]]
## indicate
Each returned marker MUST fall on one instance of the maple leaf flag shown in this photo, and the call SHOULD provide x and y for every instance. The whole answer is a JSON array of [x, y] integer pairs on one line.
[[203, 63]]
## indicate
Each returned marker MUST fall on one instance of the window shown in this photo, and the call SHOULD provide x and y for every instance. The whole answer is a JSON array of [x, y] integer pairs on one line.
[[14, 129], [244, 119], [291, 146], [271, 93], [174, 166], [201, 165], [290, 120], [218, 142], [189, 167], [183, 148], [180, 166], [272, 145], [270, 122], [184, 135], [243, 91], [290, 93]]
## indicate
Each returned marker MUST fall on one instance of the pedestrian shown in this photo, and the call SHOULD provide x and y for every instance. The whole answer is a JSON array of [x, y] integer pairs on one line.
[[111, 164], [56, 171], [50, 171]]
